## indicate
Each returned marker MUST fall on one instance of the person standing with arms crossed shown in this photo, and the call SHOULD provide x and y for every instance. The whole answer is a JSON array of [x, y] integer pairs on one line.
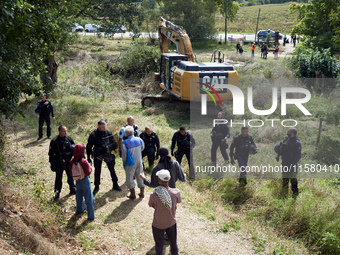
[[44, 109]]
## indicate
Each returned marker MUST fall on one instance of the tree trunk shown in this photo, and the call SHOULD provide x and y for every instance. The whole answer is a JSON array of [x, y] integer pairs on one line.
[[50, 78]]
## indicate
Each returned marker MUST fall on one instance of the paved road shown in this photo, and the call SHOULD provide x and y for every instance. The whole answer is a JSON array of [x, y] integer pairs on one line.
[[246, 37]]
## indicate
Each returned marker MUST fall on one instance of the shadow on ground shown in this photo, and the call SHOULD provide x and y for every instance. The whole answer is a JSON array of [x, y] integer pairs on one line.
[[122, 211]]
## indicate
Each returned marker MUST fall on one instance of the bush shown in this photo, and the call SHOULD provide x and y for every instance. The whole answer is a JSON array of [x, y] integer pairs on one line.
[[139, 60], [328, 150], [313, 63]]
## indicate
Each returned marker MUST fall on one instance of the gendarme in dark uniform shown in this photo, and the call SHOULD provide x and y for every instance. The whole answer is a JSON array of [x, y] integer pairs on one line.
[[243, 144], [219, 134], [151, 142], [100, 145], [290, 151], [44, 109], [60, 154], [185, 143]]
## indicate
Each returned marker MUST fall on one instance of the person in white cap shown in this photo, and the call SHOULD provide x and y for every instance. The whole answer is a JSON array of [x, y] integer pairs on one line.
[[164, 200]]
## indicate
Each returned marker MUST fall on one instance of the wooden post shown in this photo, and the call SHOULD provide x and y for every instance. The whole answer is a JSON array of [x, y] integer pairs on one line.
[[257, 27], [225, 24], [319, 134]]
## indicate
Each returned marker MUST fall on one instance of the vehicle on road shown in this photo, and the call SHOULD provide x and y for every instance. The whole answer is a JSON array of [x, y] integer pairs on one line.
[[77, 28], [262, 34], [92, 28]]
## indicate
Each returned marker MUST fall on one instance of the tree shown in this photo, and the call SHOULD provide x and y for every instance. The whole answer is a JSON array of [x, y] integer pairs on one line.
[[151, 14], [197, 17], [29, 32], [232, 8], [319, 23], [32, 31]]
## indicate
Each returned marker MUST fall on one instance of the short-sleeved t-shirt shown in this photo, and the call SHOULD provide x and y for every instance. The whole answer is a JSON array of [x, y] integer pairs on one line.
[[164, 218]]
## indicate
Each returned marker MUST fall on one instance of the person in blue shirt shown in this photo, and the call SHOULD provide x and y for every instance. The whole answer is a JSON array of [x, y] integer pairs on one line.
[[122, 136]]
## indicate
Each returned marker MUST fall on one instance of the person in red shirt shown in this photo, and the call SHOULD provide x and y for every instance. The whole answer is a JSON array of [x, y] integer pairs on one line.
[[164, 200], [83, 186]]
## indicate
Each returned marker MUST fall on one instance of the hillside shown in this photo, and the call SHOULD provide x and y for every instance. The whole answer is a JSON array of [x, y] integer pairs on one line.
[[216, 216], [272, 16]]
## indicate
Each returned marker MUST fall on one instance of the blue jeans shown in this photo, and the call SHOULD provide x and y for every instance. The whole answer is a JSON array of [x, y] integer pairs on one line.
[[84, 191]]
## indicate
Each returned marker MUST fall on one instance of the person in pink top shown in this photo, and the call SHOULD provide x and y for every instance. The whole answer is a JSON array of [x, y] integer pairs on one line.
[[164, 200]]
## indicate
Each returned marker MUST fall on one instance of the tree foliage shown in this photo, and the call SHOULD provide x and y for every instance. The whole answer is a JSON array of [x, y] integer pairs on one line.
[[319, 23], [29, 32], [314, 63], [32, 31], [112, 14], [232, 8], [197, 17]]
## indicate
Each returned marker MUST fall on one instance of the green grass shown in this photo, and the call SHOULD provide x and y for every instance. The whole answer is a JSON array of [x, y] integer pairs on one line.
[[313, 218], [272, 16]]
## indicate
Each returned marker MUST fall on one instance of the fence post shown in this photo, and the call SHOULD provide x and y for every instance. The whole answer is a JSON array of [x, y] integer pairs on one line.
[[319, 134]]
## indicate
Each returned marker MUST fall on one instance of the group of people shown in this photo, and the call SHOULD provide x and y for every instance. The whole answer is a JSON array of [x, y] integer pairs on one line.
[[65, 155], [264, 49], [243, 145]]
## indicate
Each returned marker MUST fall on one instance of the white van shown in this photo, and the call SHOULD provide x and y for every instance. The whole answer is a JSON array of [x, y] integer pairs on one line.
[[91, 28], [77, 28]]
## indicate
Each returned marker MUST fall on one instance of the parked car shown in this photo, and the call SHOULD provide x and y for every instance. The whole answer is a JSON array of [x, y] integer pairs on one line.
[[262, 34], [92, 28], [121, 28], [77, 28]]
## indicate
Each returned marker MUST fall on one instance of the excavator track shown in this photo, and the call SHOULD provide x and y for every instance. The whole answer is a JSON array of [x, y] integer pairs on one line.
[[149, 100]]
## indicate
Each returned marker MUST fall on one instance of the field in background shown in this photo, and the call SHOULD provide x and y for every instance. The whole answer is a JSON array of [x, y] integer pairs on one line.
[[273, 16]]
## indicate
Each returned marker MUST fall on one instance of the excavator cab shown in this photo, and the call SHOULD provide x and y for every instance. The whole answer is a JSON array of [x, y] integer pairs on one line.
[[168, 64]]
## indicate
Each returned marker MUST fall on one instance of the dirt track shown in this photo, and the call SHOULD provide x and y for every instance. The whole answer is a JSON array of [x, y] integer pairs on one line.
[[123, 226]]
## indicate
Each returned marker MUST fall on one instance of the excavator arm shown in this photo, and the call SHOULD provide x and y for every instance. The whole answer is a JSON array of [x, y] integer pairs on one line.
[[176, 34]]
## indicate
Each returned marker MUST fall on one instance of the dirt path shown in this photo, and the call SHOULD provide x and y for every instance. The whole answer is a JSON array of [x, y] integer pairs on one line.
[[123, 226]]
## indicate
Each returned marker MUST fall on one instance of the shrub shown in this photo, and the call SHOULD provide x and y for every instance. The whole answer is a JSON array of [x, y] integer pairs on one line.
[[329, 243], [139, 60], [328, 150], [314, 63]]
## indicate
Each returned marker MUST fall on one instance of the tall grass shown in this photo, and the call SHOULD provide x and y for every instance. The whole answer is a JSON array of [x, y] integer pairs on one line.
[[272, 16]]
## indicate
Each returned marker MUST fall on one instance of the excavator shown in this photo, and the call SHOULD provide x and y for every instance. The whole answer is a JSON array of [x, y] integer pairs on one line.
[[179, 70]]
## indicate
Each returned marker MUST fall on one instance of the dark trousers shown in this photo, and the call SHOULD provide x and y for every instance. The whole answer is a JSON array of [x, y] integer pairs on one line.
[[188, 154], [58, 184], [150, 153], [223, 148], [98, 170], [43, 119], [242, 163], [158, 236], [290, 176]]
